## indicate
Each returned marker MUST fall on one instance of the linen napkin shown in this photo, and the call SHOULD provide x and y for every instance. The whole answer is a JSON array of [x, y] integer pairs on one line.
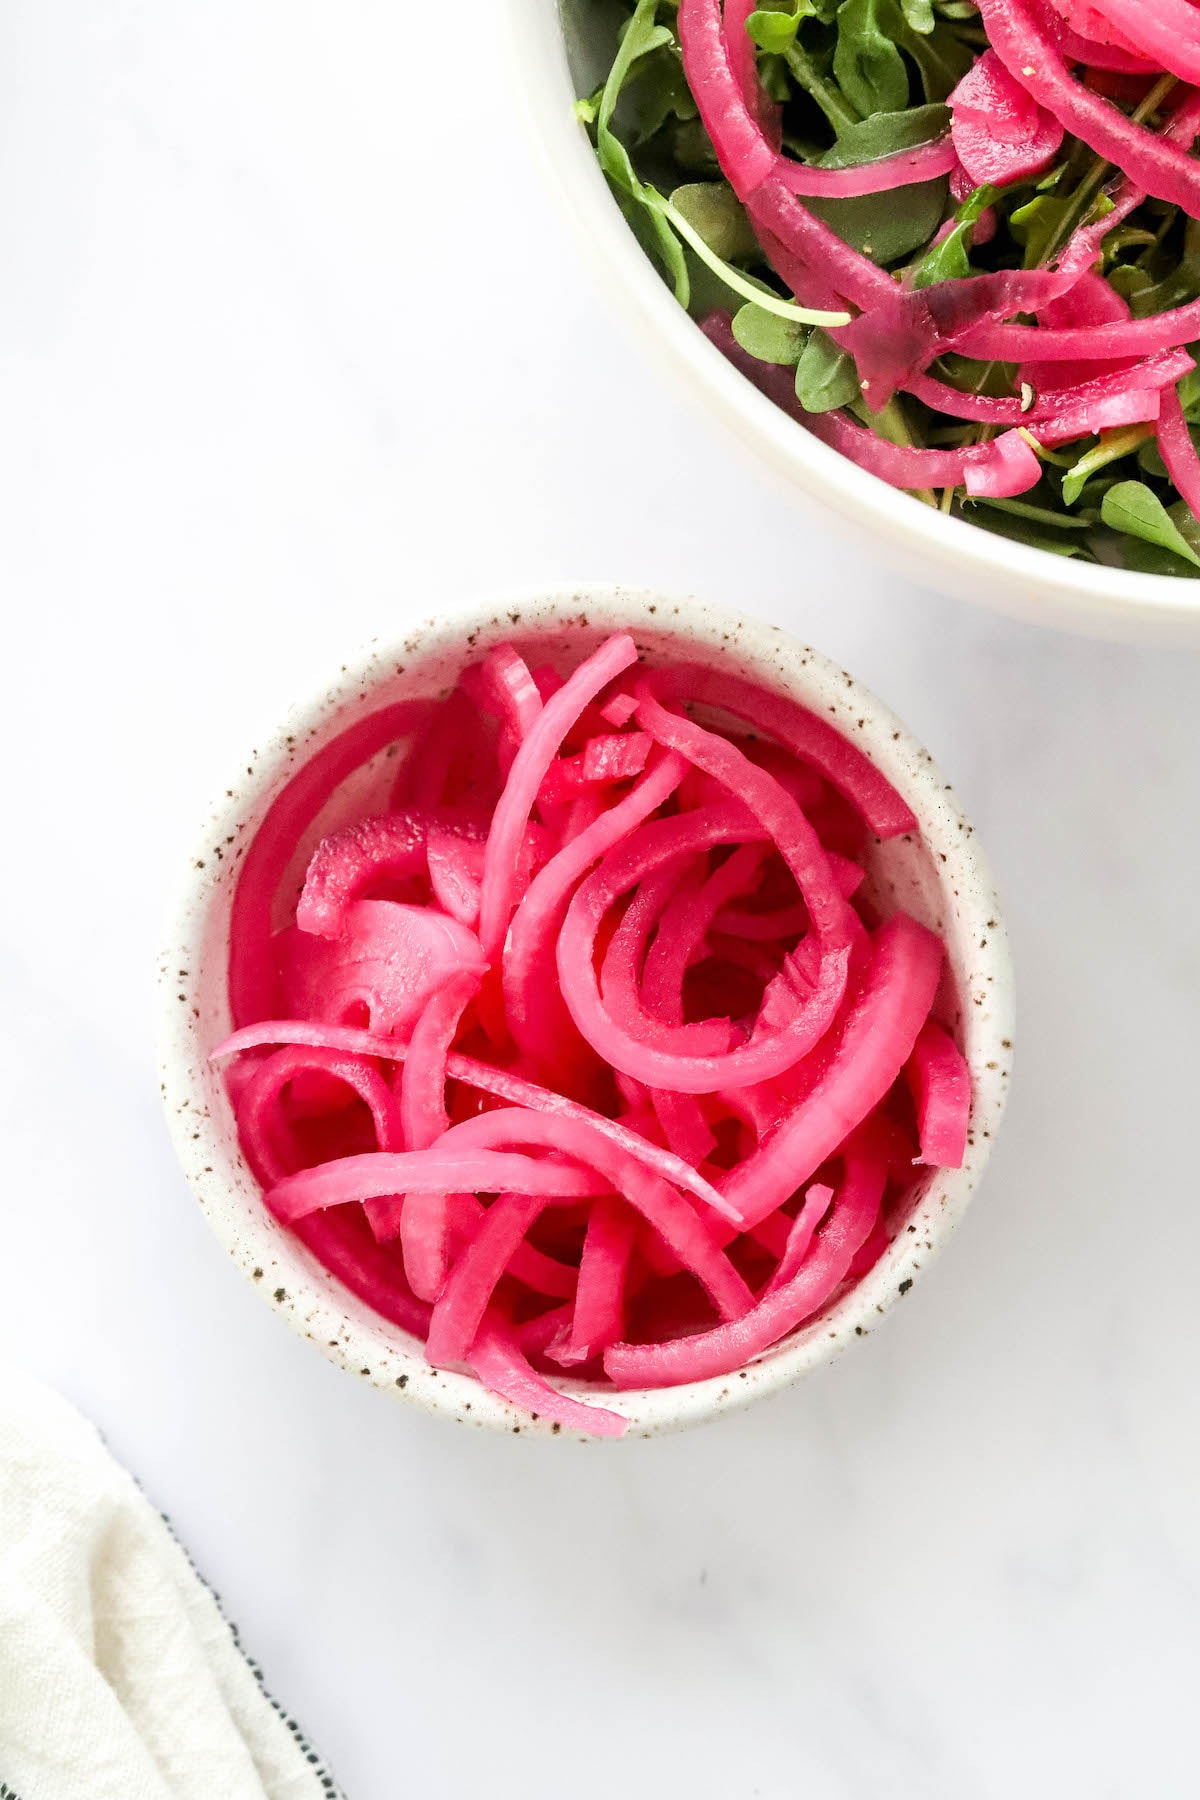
[[119, 1677]]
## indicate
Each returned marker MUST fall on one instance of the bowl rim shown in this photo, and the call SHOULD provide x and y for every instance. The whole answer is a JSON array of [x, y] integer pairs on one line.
[[924, 545], [198, 1110]]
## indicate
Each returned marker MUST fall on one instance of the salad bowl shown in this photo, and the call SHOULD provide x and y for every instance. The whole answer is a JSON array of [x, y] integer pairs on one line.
[[554, 60]]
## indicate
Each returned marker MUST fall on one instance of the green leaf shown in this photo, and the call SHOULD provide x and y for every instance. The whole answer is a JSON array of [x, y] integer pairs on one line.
[[807, 71], [886, 134], [642, 35], [1038, 224], [708, 293], [1118, 550], [977, 203], [941, 57], [870, 70], [824, 11], [1129, 281], [1134, 508], [1185, 521], [918, 15], [972, 377], [888, 226], [1179, 288], [658, 92], [826, 377], [774, 79], [949, 261], [773, 31], [768, 338], [1189, 390], [1024, 531], [691, 149], [659, 242], [713, 209]]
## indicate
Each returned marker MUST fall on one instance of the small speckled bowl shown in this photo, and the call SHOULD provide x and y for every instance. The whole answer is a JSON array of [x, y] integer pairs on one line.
[[942, 879]]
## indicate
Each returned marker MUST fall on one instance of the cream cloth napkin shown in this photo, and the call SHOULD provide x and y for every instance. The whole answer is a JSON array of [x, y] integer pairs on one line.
[[119, 1677]]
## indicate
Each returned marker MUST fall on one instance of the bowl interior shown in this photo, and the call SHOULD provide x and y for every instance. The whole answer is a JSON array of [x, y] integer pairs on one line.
[[938, 877]]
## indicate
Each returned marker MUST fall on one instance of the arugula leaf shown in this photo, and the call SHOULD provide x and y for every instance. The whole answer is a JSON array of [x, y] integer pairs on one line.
[[658, 92], [1134, 508], [918, 15], [974, 377], [1185, 520], [773, 78], [1189, 389], [642, 35], [788, 13], [691, 150], [714, 210], [949, 260], [794, 11], [887, 227], [1038, 225], [806, 73], [1118, 550], [885, 134], [773, 31], [1150, 462], [1023, 531], [768, 338], [1128, 280], [826, 377], [870, 70], [1178, 288], [942, 58]]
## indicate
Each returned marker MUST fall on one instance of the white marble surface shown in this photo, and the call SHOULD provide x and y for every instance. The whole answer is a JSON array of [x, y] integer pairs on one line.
[[291, 345]]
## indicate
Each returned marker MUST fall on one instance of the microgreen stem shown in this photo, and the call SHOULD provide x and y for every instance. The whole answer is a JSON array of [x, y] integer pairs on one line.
[[1100, 171], [759, 296], [831, 101]]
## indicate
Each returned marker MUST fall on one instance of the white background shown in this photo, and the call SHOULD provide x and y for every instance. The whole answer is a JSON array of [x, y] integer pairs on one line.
[[292, 346]]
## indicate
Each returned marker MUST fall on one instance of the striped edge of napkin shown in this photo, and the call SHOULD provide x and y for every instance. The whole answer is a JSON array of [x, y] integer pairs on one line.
[[120, 1677]]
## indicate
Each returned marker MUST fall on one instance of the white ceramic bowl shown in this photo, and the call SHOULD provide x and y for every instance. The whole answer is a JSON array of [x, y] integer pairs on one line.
[[920, 543], [942, 879]]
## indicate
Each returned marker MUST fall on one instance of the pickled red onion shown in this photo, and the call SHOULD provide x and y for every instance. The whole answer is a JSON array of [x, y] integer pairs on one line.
[[545, 1219], [941, 1085], [731, 1345], [525, 777]]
